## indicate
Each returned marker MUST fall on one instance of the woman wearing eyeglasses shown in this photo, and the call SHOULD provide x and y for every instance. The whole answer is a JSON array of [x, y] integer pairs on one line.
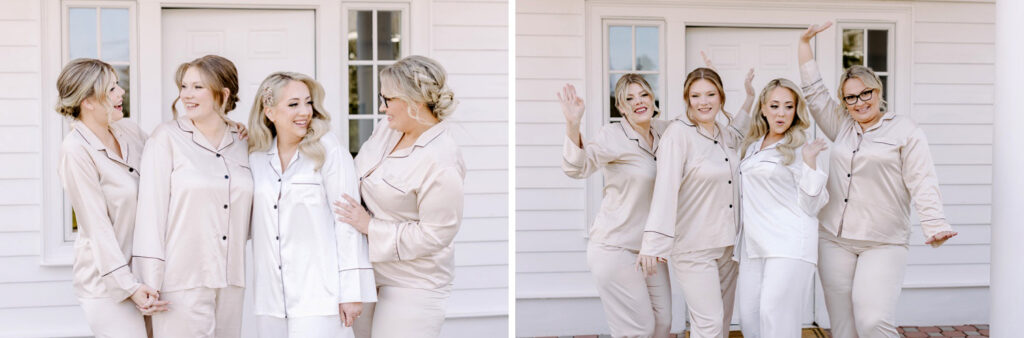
[[411, 173], [880, 164]]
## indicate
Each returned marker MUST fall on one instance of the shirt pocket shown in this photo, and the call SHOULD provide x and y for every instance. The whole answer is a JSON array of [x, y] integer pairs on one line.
[[883, 149], [307, 189]]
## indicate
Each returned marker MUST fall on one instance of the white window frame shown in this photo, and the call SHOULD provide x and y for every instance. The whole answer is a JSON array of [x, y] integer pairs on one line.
[[890, 57], [404, 50], [57, 235], [606, 62]]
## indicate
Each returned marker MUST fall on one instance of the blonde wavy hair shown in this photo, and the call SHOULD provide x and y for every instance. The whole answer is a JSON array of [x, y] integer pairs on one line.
[[81, 79], [870, 80], [262, 130], [711, 75], [622, 87], [794, 136], [419, 79]]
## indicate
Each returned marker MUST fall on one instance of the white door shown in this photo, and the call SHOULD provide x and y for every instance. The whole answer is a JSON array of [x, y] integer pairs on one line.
[[258, 41], [772, 52]]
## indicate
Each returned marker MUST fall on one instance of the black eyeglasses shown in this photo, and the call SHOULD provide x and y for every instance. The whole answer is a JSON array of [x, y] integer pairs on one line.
[[383, 99], [863, 96]]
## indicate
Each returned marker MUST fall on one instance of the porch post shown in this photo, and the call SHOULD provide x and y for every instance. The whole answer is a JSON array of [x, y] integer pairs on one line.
[[1007, 265]]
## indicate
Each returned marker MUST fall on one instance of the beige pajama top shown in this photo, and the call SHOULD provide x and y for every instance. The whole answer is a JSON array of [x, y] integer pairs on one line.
[[874, 174], [695, 205], [415, 196], [103, 189], [628, 165], [195, 202]]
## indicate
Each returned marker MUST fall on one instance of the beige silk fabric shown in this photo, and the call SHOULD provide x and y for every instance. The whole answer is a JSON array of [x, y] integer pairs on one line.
[[195, 202], [696, 197], [874, 174], [103, 189], [415, 196], [628, 165]]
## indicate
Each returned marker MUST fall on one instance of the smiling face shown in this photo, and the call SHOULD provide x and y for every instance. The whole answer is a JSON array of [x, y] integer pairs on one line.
[[401, 116], [778, 109], [705, 101], [638, 107], [196, 96], [292, 112], [864, 112]]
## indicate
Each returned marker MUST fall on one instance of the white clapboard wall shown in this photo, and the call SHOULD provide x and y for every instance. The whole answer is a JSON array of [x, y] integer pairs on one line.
[[951, 98], [469, 37]]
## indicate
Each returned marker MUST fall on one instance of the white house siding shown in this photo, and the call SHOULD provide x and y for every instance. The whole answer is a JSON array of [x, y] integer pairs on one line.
[[468, 37], [951, 95]]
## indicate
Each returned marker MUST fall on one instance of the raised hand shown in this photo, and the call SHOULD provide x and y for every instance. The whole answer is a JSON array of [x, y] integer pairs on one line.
[[814, 30], [707, 61], [572, 105], [748, 85], [811, 151]]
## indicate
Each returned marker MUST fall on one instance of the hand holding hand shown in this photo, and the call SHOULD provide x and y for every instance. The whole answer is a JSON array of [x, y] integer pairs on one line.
[[349, 312], [647, 264], [352, 213], [147, 300], [814, 30]]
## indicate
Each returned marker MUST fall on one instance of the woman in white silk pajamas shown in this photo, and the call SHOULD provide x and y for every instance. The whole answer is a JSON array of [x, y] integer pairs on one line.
[[312, 273], [782, 187], [636, 303], [880, 165], [411, 174]]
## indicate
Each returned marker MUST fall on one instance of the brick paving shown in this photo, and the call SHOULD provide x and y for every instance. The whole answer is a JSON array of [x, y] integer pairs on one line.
[[973, 330]]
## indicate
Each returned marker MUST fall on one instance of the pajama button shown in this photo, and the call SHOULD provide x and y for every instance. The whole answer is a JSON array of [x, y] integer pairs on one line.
[[224, 238], [847, 175], [218, 155], [730, 181], [727, 159], [716, 142], [279, 238], [131, 170], [275, 206], [846, 200], [225, 206], [225, 177], [730, 206]]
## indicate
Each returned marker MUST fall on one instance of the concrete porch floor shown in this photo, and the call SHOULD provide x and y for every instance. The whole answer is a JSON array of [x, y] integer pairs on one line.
[[967, 330]]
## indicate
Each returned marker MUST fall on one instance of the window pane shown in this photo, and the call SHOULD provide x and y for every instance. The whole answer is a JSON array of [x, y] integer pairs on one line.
[[360, 90], [389, 30], [360, 35], [82, 33], [620, 48], [124, 80], [853, 47], [612, 79], [115, 30], [878, 50], [885, 86], [647, 48], [358, 132]]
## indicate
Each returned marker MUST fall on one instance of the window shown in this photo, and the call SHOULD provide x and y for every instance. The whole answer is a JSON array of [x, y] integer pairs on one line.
[[376, 37], [869, 46], [100, 30], [632, 47]]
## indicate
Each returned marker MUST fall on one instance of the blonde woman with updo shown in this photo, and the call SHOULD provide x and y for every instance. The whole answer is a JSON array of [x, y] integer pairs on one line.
[[782, 182], [880, 165], [695, 203], [637, 299], [99, 169], [411, 175], [195, 199], [312, 273]]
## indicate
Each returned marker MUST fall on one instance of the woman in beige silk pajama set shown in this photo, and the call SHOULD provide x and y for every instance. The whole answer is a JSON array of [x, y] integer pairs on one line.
[[880, 165], [636, 303], [195, 198], [411, 174], [99, 170]]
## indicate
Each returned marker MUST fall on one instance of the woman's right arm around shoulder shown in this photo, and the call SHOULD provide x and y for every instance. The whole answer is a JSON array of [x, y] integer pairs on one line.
[[579, 159], [827, 112]]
